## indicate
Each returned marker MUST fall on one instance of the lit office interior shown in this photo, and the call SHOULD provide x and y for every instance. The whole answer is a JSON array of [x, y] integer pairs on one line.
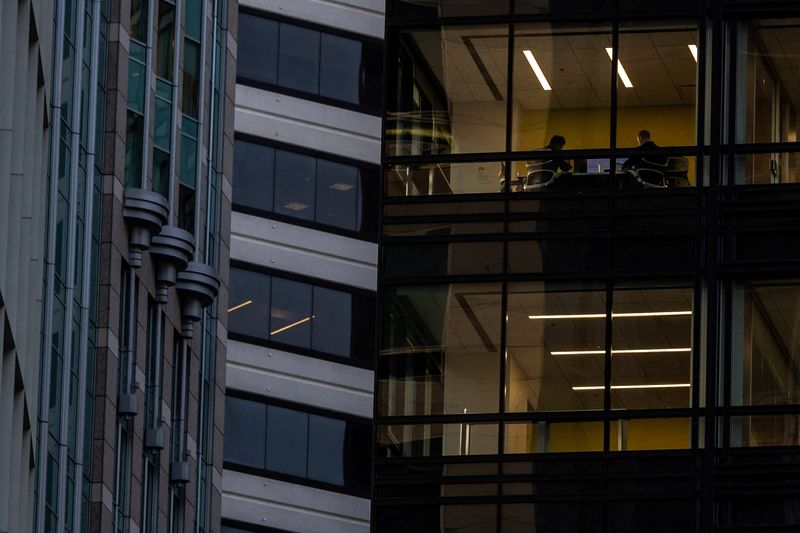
[[601, 350]]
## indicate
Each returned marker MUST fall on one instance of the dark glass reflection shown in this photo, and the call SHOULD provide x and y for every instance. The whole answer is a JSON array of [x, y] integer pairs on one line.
[[287, 441], [246, 432]]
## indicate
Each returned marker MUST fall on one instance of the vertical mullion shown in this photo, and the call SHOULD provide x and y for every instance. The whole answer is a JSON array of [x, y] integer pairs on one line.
[[511, 28], [612, 142]]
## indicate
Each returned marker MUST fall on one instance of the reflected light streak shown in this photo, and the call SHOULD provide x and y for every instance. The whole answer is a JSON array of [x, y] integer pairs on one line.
[[613, 315], [237, 307], [625, 387], [623, 352], [284, 328]]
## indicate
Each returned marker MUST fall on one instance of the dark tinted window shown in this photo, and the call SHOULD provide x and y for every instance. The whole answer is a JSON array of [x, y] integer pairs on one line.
[[245, 432], [287, 438], [309, 61], [258, 49], [304, 187], [298, 62], [292, 442], [300, 314]]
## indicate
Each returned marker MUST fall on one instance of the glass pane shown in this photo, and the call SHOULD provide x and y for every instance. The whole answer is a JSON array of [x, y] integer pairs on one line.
[[437, 440], [765, 430], [650, 434], [673, 515], [552, 517], [766, 168], [245, 432], [451, 91], [253, 175], [191, 81], [188, 161], [134, 145], [248, 311], [440, 350], [445, 178], [338, 199], [186, 200], [340, 68], [193, 19], [651, 349], [162, 128], [331, 324], [298, 61], [430, 518], [295, 176], [767, 88], [287, 440], [426, 9], [257, 49], [766, 343], [442, 259], [326, 449], [165, 45], [136, 82], [290, 314], [161, 172], [541, 437], [138, 25], [562, 88], [555, 347], [656, 88]]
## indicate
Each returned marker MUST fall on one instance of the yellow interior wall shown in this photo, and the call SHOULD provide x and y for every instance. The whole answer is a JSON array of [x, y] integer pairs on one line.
[[589, 128], [576, 437], [654, 434]]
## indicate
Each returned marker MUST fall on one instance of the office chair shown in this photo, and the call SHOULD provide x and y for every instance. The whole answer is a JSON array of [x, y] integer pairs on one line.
[[651, 175], [538, 176], [677, 173]]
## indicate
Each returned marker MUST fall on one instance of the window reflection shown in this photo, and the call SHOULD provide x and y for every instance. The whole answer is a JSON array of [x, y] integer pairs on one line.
[[440, 351], [555, 342], [765, 430], [450, 91], [651, 348], [766, 343], [437, 440]]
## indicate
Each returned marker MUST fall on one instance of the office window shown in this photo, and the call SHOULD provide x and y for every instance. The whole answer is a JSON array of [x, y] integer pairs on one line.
[[660, 92], [441, 349], [437, 440], [309, 61], [562, 86], [427, 9], [165, 41], [298, 314], [292, 442], [764, 343], [302, 186], [450, 91], [555, 346]]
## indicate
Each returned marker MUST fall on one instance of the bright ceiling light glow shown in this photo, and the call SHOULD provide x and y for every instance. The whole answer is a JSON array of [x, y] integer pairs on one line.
[[627, 387], [626, 81], [613, 315], [537, 70], [284, 328], [237, 307], [693, 50], [623, 352]]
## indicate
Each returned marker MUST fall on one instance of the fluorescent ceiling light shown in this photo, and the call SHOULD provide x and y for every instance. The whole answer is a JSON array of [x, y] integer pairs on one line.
[[537, 70], [613, 315], [626, 81], [625, 387], [341, 186], [296, 206], [237, 307], [284, 328], [693, 50], [623, 352]]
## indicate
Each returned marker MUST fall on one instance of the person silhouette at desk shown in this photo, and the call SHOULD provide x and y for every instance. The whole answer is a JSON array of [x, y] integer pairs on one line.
[[648, 161], [556, 144]]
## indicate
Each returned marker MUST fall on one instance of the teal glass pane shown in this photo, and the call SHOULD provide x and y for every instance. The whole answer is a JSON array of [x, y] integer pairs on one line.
[[188, 161], [191, 81], [193, 23], [165, 44], [162, 129], [133, 150], [136, 86], [189, 127], [138, 52], [161, 172]]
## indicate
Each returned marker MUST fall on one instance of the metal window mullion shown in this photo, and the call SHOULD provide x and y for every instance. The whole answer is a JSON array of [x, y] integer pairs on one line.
[[66, 375], [87, 262], [174, 134], [209, 146], [152, 11], [44, 399]]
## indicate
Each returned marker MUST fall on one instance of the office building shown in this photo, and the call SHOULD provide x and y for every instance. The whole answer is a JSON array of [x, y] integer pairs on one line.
[[301, 311], [612, 348], [115, 193], [25, 97]]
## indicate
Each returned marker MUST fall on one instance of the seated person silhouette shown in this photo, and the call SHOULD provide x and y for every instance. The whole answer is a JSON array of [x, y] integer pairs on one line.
[[542, 172], [648, 170]]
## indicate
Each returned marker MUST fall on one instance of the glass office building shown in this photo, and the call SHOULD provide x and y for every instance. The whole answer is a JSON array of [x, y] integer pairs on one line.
[[595, 332]]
